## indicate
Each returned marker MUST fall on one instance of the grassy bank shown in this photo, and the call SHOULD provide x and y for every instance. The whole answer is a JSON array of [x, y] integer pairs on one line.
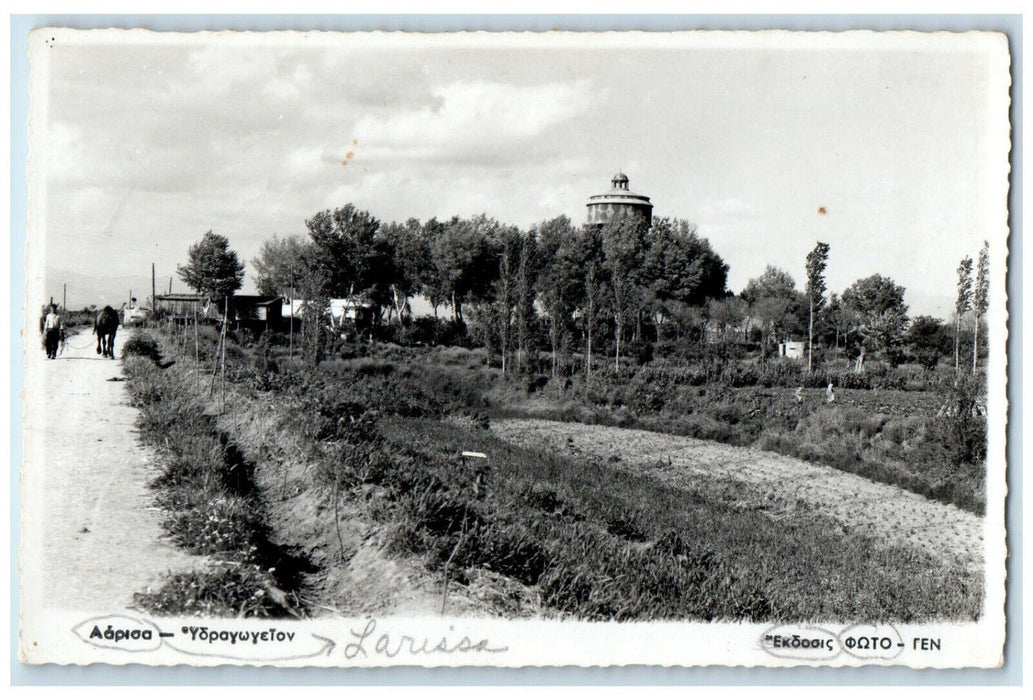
[[212, 506]]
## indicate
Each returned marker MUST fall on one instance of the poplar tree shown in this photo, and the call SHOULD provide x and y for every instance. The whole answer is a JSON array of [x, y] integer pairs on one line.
[[817, 260], [961, 305], [980, 301]]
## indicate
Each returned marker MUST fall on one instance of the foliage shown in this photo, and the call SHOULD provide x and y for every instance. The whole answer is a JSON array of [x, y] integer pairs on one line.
[[624, 249], [212, 269], [465, 256], [817, 260], [774, 301], [282, 267], [963, 302], [927, 340], [878, 304], [225, 590], [681, 266], [559, 284], [981, 293], [349, 258], [961, 421], [142, 347], [211, 501], [412, 267]]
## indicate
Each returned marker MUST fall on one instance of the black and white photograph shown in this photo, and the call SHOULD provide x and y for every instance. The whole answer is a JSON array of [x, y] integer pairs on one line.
[[516, 349]]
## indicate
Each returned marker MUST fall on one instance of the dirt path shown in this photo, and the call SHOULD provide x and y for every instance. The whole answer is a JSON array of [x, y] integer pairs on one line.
[[91, 536], [780, 486]]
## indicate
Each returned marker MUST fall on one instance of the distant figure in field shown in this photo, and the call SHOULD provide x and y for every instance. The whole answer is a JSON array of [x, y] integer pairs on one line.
[[105, 326], [798, 394], [830, 396], [53, 331]]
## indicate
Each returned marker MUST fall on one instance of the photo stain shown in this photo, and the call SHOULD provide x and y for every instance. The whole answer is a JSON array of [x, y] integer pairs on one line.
[[822, 211], [349, 155]]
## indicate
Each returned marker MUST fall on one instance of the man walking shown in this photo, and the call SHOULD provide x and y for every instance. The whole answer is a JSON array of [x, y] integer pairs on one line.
[[53, 332]]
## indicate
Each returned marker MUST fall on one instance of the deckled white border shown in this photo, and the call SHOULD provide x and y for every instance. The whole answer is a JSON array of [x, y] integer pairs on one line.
[[551, 643]]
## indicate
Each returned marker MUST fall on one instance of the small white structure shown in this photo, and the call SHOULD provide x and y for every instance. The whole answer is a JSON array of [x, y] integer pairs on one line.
[[792, 349], [340, 310]]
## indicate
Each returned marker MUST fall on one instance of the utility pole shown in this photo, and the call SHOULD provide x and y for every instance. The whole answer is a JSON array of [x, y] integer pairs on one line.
[[154, 292], [64, 297], [292, 313]]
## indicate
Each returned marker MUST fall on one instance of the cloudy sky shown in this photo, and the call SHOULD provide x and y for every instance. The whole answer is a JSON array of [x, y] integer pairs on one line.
[[141, 143]]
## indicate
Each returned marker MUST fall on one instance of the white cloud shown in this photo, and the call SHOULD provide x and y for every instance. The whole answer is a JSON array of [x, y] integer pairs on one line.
[[469, 121]]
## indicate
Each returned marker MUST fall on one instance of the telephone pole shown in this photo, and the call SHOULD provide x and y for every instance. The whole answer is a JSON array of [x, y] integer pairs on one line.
[[292, 314]]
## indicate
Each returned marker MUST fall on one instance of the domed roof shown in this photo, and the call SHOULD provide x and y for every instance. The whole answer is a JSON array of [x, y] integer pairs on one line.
[[619, 192]]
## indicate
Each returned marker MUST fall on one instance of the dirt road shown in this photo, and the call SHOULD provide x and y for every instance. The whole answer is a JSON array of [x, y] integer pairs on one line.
[[90, 535], [780, 486]]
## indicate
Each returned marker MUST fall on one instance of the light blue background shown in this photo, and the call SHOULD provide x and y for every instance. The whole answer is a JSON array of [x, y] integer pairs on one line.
[[1011, 674]]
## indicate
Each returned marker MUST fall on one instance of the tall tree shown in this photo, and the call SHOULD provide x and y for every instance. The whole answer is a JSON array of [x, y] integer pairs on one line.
[[508, 243], [280, 265], [434, 284], [680, 268], [817, 260], [774, 301], [877, 304], [352, 259], [961, 305], [727, 314], [212, 269], [466, 260], [624, 249], [411, 263], [527, 273], [559, 282], [590, 260], [980, 301], [838, 320]]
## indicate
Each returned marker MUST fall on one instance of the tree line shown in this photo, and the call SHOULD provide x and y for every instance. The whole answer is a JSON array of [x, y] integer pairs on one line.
[[627, 288]]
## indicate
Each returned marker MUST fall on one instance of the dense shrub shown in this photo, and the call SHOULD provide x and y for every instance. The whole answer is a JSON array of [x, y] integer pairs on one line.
[[960, 426], [142, 346], [226, 590]]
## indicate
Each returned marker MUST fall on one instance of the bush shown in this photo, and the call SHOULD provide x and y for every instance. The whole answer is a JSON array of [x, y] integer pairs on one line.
[[960, 427], [227, 590], [142, 346]]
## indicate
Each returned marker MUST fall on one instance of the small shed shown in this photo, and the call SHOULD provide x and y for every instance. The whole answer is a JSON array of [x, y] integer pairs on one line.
[[257, 313], [183, 308], [791, 349]]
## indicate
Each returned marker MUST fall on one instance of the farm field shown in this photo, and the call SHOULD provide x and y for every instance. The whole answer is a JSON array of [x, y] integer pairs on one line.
[[780, 487]]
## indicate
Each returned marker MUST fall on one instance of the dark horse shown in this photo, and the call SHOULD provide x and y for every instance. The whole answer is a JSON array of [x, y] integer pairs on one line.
[[105, 327]]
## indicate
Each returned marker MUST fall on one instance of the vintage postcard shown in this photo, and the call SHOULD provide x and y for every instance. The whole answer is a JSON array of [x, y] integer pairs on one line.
[[516, 349]]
